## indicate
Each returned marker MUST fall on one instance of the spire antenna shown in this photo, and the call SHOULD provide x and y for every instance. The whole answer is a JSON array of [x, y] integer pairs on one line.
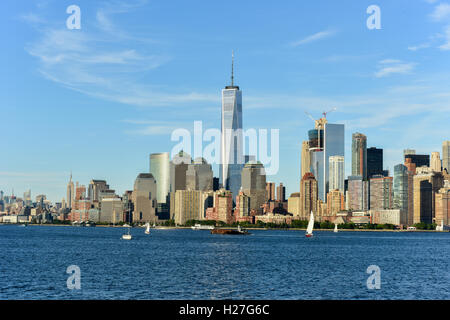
[[232, 68]]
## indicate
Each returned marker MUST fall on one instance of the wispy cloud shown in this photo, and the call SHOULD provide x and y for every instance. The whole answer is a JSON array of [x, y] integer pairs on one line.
[[446, 45], [441, 12], [392, 66], [420, 46], [314, 37], [107, 62]]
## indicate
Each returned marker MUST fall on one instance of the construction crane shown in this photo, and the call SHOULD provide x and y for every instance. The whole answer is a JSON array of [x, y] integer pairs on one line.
[[327, 112]]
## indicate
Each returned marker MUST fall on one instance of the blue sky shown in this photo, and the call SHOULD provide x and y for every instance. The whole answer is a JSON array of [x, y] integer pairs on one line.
[[99, 100]]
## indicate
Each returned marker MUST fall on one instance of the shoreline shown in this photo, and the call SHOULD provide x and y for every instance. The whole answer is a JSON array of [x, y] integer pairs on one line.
[[250, 228]]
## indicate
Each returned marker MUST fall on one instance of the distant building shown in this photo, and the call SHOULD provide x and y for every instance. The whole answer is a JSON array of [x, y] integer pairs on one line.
[[381, 193], [294, 204], [160, 169], [223, 207], [374, 162], [70, 192], [436, 162], [270, 191], [446, 156], [335, 202], [359, 155], [144, 198], [191, 205], [199, 176], [402, 191], [178, 168], [337, 173], [419, 160], [358, 194], [443, 205], [305, 164], [242, 211], [281, 193], [308, 195], [95, 188], [396, 217], [254, 184], [111, 210], [426, 184]]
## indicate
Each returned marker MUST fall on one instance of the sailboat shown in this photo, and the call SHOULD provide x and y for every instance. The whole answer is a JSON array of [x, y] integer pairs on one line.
[[127, 236], [335, 227], [310, 227], [147, 228]]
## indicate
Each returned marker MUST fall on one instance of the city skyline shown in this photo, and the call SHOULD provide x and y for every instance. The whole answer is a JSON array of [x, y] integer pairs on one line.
[[387, 87]]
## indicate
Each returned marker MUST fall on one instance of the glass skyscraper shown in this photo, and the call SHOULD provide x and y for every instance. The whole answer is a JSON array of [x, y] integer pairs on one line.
[[374, 162], [232, 159], [359, 155], [159, 168], [333, 145], [401, 188]]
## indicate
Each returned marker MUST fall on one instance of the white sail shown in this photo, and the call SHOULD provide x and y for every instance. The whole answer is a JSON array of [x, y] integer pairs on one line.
[[335, 227], [309, 229], [147, 229]]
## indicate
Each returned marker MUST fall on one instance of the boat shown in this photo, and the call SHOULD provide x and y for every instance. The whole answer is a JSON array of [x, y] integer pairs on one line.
[[127, 236], [335, 227], [309, 229], [147, 228], [239, 231], [198, 226]]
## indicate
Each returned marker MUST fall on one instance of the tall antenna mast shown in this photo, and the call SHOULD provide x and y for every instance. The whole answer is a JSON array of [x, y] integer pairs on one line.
[[232, 68]]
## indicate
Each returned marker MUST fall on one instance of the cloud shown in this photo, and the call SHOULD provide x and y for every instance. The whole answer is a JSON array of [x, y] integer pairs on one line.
[[441, 12], [420, 46], [446, 45], [393, 66], [107, 64], [314, 37]]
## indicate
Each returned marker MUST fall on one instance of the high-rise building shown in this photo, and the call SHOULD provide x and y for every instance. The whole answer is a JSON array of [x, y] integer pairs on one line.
[[223, 206], [178, 168], [308, 195], [420, 160], [27, 198], [160, 169], [335, 202], [232, 158], [381, 193], [189, 205], [254, 184], [281, 193], [294, 204], [402, 189], [144, 198], [337, 173], [270, 191], [359, 155], [358, 193], [408, 152], [199, 175], [325, 140], [111, 210], [436, 162], [426, 184], [70, 193], [443, 205], [410, 165], [95, 188], [305, 164], [446, 156], [374, 162]]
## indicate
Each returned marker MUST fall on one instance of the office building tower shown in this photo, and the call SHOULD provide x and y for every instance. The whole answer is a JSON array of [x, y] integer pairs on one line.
[[223, 206], [375, 162], [254, 184], [410, 165], [111, 210], [426, 184], [359, 155], [420, 160], [270, 191], [358, 193], [446, 156], [436, 162], [281, 193], [402, 189], [144, 198], [443, 205], [199, 175], [242, 206], [335, 202], [128, 207], [294, 204], [70, 193], [27, 198], [381, 193], [325, 140], [337, 173], [305, 164], [95, 188], [160, 169], [232, 158], [178, 168], [216, 184], [189, 205], [308, 195]]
